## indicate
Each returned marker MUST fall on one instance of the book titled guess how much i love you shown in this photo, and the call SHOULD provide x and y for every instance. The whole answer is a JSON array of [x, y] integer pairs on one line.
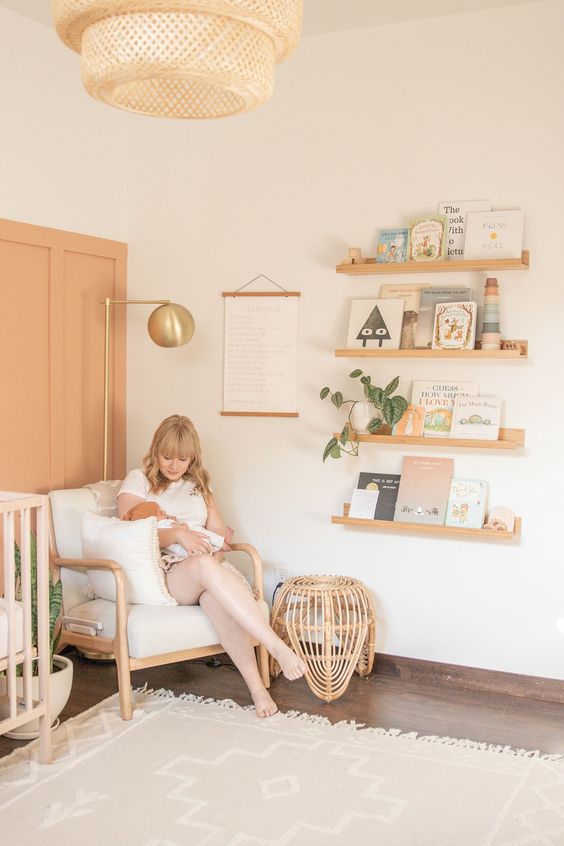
[[437, 398], [424, 490]]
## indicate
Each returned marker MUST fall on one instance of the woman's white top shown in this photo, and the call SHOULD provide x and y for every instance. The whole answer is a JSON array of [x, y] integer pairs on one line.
[[179, 500]]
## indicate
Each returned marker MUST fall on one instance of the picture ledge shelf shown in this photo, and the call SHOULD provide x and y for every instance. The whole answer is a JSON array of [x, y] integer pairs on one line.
[[517, 352], [368, 266], [427, 529], [509, 439]]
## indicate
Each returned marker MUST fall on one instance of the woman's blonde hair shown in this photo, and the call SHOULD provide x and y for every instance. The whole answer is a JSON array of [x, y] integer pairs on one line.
[[176, 437]]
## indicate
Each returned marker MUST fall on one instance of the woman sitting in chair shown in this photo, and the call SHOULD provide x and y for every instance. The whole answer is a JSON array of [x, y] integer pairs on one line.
[[174, 478]]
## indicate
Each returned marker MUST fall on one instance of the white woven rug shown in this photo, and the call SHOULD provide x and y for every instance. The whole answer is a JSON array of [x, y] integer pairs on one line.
[[188, 771]]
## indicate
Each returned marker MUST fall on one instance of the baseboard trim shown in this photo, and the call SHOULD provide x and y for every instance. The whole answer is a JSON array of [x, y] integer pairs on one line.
[[471, 678]]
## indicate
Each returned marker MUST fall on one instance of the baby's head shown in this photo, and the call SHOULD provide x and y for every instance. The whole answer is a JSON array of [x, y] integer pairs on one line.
[[143, 510]]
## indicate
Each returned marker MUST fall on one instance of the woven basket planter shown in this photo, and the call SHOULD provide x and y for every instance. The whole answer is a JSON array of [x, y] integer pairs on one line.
[[180, 58]]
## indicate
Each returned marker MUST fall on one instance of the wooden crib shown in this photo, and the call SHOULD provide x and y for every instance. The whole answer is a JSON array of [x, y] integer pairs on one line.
[[20, 512]]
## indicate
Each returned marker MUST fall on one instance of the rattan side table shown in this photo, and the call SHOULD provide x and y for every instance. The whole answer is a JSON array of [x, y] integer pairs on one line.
[[330, 622]]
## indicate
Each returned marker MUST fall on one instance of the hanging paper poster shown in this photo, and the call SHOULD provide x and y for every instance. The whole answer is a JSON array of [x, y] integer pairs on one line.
[[261, 334]]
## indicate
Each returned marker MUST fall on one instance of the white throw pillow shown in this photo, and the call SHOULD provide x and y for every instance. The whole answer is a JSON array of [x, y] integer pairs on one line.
[[134, 545]]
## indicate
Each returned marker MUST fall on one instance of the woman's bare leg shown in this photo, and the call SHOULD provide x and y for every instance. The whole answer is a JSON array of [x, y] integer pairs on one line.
[[238, 646], [190, 578]]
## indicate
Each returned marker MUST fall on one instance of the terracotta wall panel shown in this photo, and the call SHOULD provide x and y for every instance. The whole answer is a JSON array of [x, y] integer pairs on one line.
[[52, 345], [25, 422]]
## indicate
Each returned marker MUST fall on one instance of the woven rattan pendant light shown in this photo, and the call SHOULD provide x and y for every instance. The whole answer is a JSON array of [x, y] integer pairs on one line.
[[180, 58]]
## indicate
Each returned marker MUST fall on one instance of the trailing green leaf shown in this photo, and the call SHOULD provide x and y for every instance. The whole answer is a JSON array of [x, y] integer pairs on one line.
[[337, 399], [330, 446], [344, 435], [400, 407], [355, 374], [336, 451], [323, 392], [389, 389], [376, 396], [374, 425]]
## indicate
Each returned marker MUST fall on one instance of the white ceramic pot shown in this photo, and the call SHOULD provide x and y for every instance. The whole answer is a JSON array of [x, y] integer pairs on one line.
[[59, 692], [361, 415]]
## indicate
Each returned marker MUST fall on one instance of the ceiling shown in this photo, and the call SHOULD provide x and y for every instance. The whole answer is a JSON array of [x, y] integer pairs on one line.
[[322, 16]]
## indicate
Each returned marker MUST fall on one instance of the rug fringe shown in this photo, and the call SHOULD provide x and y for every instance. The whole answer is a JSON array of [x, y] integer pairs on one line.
[[317, 719]]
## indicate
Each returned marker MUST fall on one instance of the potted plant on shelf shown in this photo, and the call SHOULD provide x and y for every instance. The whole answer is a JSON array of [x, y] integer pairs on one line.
[[377, 408], [61, 668]]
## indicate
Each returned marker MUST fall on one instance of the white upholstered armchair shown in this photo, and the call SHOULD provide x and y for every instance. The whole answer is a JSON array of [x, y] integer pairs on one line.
[[138, 635]]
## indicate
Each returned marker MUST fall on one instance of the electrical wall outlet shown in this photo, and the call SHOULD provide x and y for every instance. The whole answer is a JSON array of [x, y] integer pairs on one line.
[[280, 574]]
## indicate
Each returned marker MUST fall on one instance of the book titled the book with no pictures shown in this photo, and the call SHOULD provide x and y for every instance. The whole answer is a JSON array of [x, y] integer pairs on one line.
[[424, 490]]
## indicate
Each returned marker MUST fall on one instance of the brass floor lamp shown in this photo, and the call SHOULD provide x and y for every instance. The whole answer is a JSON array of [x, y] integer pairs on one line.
[[169, 325]]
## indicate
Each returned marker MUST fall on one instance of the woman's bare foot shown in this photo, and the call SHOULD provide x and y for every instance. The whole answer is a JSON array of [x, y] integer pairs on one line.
[[291, 664], [265, 706]]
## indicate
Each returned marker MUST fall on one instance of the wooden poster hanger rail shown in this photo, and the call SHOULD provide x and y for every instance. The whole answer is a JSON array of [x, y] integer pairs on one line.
[[282, 293]]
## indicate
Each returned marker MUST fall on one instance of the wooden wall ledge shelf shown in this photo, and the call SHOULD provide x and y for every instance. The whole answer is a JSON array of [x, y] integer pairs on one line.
[[517, 352], [369, 266], [427, 529], [509, 439]]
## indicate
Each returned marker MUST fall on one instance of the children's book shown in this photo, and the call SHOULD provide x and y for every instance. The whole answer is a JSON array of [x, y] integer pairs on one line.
[[375, 324], [494, 234], [392, 245], [455, 326], [430, 298], [411, 424], [476, 417], [438, 399], [411, 295], [456, 212], [384, 488], [424, 490], [427, 239], [467, 503]]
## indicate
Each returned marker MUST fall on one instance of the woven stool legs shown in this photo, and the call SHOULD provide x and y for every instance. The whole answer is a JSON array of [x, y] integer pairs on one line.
[[330, 622]]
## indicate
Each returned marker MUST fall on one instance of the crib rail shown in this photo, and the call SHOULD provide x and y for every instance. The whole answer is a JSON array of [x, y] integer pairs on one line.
[[20, 512]]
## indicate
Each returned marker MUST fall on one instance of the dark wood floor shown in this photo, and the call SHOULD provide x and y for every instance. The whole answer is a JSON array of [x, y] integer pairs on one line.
[[375, 701]]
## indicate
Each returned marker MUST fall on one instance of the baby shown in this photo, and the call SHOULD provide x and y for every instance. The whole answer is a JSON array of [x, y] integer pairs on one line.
[[175, 552], [151, 509]]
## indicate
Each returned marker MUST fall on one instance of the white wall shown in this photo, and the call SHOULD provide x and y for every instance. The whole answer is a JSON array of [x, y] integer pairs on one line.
[[366, 128], [62, 154]]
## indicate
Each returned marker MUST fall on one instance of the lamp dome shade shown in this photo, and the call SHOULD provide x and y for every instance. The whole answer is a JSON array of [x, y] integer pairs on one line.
[[171, 325]]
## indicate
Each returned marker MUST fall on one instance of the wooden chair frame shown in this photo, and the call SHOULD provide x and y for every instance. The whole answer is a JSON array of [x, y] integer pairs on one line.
[[119, 646]]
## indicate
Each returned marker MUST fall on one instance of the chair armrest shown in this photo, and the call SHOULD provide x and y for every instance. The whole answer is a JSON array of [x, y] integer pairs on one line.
[[87, 563], [121, 605], [256, 562]]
